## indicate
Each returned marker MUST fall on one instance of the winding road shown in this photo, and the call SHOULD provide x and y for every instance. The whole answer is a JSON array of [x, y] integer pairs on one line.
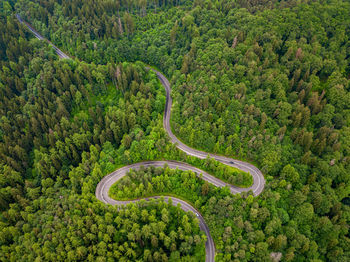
[[105, 184]]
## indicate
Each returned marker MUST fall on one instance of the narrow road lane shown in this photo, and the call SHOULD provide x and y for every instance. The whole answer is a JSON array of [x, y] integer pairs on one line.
[[61, 54]]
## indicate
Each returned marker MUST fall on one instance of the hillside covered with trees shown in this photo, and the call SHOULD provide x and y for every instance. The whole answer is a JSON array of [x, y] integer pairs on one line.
[[263, 81]]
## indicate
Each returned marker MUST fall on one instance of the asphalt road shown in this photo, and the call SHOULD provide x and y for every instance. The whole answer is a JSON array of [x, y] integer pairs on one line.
[[258, 177], [61, 54], [105, 184]]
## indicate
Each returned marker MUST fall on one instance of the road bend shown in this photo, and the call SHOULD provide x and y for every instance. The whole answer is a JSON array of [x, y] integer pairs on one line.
[[258, 178]]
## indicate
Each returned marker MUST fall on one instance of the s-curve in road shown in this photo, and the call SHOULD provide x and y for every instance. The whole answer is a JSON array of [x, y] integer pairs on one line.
[[258, 177], [105, 184], [40, 37]]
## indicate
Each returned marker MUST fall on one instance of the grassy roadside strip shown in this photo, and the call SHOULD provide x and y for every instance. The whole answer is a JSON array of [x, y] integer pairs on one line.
[[222, 171], [162, 194]]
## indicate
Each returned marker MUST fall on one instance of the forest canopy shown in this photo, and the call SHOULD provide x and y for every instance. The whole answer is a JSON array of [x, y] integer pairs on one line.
[[262, 81]]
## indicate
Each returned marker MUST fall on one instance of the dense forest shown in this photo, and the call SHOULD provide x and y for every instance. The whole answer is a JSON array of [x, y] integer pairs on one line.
[[262, 81], [61, 125]]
